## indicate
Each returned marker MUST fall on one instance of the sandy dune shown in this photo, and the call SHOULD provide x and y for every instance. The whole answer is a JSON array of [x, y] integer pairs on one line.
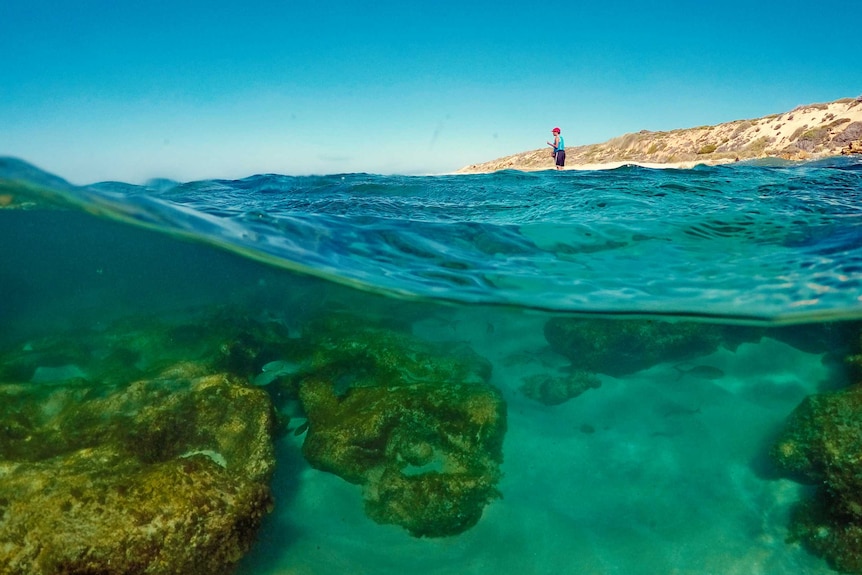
[[807, 132]]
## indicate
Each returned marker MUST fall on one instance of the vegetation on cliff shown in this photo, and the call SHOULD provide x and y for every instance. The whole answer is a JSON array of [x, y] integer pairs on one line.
[[807, 132]]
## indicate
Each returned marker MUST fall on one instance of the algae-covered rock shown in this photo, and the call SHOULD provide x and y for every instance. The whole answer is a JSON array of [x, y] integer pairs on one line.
[[131, 449], [426, 454], [620, 347], [420, 430], [821, 444], [163, 476], [362, 354]]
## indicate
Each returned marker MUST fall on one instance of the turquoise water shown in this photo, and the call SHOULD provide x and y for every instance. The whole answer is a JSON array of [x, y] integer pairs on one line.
[[779, 243], [658, 470]]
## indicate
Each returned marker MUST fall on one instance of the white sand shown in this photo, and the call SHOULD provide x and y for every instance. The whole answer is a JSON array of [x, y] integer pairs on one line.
[[663, 485]]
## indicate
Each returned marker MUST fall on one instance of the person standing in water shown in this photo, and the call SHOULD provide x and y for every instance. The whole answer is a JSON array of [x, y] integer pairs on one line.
[[559, 146]]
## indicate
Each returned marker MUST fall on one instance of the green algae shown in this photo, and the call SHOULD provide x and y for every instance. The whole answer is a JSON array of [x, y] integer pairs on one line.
[[123, 482], [154, 461], [821, 445], [151, 447], [419, 429]]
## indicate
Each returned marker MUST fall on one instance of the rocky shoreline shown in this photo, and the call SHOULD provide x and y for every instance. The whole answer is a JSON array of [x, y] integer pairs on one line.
[[804, 133]]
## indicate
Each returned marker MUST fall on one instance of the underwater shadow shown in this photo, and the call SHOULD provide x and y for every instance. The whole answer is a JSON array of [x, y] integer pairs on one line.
[[277, 532]]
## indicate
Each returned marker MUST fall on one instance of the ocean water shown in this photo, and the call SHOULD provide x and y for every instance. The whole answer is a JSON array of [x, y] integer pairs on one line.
[[660, 469]]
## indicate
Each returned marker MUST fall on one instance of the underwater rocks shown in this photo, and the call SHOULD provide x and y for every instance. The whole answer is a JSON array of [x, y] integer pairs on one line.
[[426, 454], [623, 346], [835, 339], [556, 389], [168, 475], [620, 347], [419, 429], [821, 444], [145, 446], [127, 450]]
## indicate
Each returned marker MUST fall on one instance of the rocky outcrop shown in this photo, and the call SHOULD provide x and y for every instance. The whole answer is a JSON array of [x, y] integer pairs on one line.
[[426, 454], [619, 347], [418, 428], [854, 141], [168, 475], [807, 132], [851, 136], [139, 448], [820, 445]]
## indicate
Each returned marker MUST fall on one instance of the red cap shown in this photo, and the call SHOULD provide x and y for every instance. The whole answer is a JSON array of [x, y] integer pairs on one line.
[[557, 130]]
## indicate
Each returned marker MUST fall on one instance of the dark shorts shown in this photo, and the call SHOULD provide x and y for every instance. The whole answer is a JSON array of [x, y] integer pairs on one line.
[[561, 158]]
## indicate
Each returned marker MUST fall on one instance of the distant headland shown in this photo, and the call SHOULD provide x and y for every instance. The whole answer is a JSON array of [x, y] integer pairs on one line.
[[804, 133]]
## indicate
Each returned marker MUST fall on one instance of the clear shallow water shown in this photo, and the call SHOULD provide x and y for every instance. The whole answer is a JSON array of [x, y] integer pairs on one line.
[[656, 471], [744, 241]]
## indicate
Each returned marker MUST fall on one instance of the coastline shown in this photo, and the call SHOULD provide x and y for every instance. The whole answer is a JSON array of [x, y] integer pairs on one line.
[[652, 165], [807, 132]]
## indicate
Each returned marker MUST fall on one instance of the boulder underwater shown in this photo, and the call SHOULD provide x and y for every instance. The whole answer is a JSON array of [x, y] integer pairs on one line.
[[163, 476], [821, 445], [620, 347], [419, 428], [147, 457], [146, 446]]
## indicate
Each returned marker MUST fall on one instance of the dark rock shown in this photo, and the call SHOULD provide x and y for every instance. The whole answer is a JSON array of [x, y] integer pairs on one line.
[[851, 135], [619, 347], [552, 389], [817, 338]]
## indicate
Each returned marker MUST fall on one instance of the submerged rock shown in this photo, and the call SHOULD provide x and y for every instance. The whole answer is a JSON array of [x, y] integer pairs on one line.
[[821, 444], [555, 389], [419, 429], [620, 347], [168, 475], [135, 449]]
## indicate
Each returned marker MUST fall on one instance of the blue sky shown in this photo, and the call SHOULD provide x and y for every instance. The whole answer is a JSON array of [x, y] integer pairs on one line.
[[97, 90]]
